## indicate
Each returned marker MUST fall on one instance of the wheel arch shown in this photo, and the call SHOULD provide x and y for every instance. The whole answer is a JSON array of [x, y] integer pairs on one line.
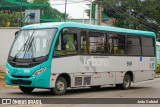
[[130, 73], [67, 77]]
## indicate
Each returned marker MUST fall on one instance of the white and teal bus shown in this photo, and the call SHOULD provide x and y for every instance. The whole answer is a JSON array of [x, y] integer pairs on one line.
[[63, 55]]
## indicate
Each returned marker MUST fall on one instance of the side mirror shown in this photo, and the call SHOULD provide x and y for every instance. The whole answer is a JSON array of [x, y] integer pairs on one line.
[[16, 33]]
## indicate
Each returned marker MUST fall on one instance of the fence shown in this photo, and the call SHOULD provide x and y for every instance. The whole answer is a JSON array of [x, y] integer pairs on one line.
[[7, 37]]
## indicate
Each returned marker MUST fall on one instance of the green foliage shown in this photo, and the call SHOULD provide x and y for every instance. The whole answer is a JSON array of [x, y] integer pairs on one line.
[[158, 68], [134, 14], [13, 18], [40, 1], [49, 12], [104, 16]]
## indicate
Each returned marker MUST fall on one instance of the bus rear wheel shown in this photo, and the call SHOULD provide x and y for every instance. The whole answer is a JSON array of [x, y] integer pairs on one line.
[[26, 89], [60, 86], [126, 83]]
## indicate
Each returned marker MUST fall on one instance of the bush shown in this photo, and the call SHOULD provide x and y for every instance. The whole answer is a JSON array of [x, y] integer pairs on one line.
[[158, 68]]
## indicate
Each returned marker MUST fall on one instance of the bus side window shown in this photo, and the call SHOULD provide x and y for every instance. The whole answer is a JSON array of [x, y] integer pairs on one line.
[[84, 43], [97, 43], [133, 45], [117, 44], [66, 44]]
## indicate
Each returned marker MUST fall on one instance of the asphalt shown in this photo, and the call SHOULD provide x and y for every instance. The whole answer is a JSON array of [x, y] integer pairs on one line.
[[146, 89]]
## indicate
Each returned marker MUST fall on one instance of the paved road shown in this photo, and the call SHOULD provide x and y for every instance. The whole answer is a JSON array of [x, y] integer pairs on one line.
[[146, 89]]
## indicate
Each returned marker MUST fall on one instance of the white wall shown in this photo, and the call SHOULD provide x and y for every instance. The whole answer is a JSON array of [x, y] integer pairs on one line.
[[6, 39]]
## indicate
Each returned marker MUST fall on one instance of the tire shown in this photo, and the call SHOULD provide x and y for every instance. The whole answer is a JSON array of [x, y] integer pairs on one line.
[[95, 87], [126, 83], [60, 86], [26, 89]]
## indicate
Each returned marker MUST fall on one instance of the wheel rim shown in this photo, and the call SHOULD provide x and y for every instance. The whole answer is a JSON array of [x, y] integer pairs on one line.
[[60, 86], [126, 82]]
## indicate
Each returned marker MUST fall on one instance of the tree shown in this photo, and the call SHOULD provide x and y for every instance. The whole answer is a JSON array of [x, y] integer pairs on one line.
[[12, 13], [49, 12], [134, 14], [14, 18], [104, 16]]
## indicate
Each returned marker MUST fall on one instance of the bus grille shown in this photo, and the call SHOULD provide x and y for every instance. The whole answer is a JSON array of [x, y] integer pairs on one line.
[[87, 81], [82, 81], [22, 65], [21, 82], [15, 76], [78, 81]]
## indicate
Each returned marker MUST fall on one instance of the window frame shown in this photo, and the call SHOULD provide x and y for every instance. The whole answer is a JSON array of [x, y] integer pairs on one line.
[[106, 33], [154, 46], [106, 42], [61, 34], [124, 44], [133, 36]]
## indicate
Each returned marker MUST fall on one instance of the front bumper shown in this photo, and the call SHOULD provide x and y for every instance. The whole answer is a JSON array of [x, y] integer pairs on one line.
[[41, 81]]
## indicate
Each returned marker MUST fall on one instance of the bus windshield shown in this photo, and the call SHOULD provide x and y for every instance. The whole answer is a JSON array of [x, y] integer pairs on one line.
[[32, 43]]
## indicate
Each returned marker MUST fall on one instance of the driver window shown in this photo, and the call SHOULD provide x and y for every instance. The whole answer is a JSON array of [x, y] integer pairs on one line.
[[66, 43]]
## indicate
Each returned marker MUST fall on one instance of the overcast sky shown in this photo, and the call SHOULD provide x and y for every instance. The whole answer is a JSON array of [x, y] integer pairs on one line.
[[74, 9]]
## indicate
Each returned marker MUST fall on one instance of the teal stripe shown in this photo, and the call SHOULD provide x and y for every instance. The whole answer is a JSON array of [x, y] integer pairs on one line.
[[87, 26]]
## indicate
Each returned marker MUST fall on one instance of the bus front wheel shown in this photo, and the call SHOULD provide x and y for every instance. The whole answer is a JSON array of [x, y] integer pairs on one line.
[[60, 86], [126, 83], [26, 89]]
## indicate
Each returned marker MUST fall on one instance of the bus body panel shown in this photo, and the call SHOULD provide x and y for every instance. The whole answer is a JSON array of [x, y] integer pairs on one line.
[[20, 79], [143, 75], [103, 70]]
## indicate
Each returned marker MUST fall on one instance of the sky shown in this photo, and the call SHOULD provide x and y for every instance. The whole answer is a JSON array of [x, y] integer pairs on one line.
[[74, 9]]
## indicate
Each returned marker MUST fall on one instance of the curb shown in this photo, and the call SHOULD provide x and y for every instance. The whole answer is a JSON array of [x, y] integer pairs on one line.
[[1, 75], [157, 76]]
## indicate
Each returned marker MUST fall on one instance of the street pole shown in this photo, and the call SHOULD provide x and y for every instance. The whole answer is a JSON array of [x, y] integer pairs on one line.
[[65, 16], [83, 14], [91, 13], [96, 12], [99, 15], [99, 2]]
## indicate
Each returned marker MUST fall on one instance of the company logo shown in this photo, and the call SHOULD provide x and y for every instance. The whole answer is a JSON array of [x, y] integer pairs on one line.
[[22, 64], [19, 73], [96, 61], [6, 101], [26, 71], [21, 101]]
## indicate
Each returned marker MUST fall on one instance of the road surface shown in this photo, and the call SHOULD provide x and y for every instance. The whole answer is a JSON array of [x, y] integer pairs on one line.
[[146, 89]]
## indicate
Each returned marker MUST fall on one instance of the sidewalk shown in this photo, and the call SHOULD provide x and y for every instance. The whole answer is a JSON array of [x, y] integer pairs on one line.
[[2, 70], [2, 81], [158, 75]]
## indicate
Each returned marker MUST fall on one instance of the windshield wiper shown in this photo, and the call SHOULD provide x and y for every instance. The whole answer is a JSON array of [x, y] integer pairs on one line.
[[24, 46], [29, 46], [14, 58]]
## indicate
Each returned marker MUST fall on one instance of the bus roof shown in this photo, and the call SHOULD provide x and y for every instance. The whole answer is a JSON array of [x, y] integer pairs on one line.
[[87, 26]]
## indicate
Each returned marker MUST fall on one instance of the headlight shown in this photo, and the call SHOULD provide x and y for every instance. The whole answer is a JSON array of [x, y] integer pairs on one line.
[[38, 72], [7, 71]]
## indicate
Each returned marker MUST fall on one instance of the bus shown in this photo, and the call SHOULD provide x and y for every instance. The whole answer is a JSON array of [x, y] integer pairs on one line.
[[62, 55], [158, 51]]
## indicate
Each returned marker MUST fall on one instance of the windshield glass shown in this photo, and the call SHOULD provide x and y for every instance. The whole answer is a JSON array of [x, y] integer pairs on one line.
[[32, 43]]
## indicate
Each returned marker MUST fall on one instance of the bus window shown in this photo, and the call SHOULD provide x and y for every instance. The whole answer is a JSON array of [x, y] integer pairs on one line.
[[84, 43], [148, 46], [133, 45], [97, 43], [117, 44], [66, 44]]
